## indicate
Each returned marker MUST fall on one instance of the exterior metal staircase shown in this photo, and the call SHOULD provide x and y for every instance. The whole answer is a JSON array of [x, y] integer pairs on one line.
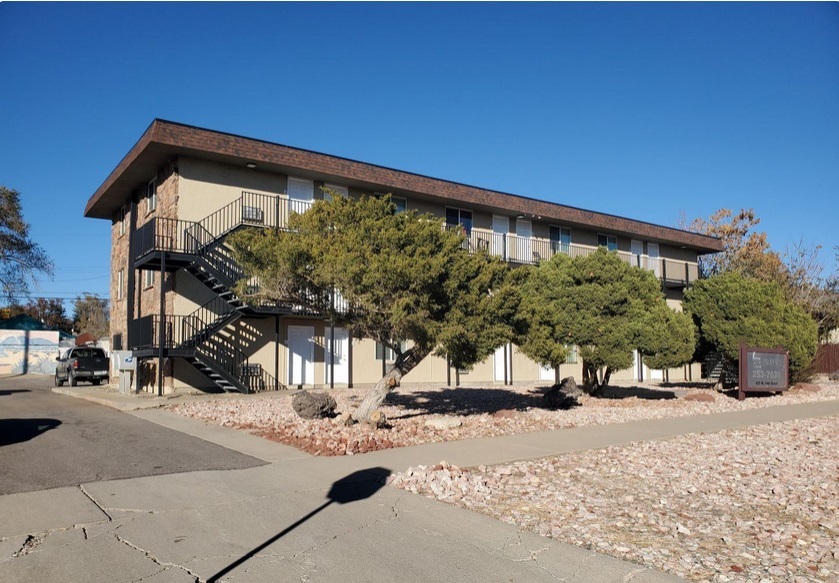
[[200, 247]]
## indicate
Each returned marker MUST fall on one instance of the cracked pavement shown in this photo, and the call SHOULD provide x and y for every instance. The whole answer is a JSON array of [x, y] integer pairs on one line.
[[296, 519]]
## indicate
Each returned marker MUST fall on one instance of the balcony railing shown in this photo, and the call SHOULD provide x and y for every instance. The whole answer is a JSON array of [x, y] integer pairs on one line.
[[532, 250], [250, 209], [162, 234], [205, 238]]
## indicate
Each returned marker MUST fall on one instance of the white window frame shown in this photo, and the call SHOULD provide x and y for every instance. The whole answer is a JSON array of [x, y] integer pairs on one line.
[[151, 196], [572, 354], [404, 205], [390, 355], [148, 278], [609, 240], [459, 218], [121, 220], [120, 284], [558, 246]]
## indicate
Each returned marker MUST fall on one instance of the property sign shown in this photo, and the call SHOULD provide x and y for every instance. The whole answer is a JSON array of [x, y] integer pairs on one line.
[[763, 370]]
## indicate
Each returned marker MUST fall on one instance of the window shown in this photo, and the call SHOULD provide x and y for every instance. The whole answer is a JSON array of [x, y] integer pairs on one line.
[[151, 196], [401, 203], [148, 278], [608, 241], [120, 283], [342, 190], [117, 341], [390, 355], [121, 221], [455, 217], [571, 354], [561, 240]]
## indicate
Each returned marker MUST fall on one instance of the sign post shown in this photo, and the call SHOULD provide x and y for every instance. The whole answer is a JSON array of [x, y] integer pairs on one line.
[[763, 370]]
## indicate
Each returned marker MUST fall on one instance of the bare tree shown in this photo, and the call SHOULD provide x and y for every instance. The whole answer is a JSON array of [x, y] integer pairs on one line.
[[20, 257]]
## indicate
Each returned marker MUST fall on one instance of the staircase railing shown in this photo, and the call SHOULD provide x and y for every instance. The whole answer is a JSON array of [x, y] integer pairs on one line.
[[250, 209], [205, 320], [234, 364]]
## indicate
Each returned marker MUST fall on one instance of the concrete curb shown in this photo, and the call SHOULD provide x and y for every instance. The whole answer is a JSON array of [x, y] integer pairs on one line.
[[117, 401]]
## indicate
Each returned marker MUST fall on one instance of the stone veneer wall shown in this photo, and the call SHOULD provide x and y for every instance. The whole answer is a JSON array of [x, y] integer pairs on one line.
[[119, 262], [146, 301]]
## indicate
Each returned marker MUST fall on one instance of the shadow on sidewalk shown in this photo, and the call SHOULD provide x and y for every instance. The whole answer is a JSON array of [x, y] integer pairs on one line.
[[359, 485]]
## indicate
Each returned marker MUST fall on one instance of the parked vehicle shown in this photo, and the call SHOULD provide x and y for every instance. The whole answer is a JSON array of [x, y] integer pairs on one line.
[[83, 363]]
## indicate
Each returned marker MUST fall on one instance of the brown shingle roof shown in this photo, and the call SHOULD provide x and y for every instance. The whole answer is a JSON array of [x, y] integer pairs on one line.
[[164, 139]]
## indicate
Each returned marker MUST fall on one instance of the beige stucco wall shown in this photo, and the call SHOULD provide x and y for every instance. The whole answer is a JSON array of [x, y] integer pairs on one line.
[[191, 189], [208, 186]]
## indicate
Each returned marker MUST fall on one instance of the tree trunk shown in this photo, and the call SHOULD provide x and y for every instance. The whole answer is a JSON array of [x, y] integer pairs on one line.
[[404, 364], [589, 378], [592, 383], [607, 374]]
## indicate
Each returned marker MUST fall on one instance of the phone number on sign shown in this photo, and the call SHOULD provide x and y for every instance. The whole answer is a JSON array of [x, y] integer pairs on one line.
[[769, 375]]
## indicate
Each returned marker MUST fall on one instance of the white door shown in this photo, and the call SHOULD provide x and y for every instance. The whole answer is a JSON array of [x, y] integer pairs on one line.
[[547, 373], [653, 259], [500, 228], [637, 371], [636, 248], [301, 355], [340, 356], [301, 193], [498, 361], [524, 231]]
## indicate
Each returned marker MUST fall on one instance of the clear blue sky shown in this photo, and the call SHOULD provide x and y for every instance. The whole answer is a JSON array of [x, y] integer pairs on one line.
[[639, 110]]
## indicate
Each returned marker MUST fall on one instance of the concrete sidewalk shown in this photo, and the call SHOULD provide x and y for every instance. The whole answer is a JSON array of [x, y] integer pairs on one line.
[[304, 518]]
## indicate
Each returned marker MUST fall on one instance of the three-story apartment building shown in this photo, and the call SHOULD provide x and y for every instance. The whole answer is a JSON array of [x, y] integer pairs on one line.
[[179, 192]]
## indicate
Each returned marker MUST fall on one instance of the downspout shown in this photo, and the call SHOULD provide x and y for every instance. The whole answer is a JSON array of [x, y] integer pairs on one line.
[[162, 331]]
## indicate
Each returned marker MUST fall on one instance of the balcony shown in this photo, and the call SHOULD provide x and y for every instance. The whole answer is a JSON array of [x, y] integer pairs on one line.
[[183, 239], [532, 250]]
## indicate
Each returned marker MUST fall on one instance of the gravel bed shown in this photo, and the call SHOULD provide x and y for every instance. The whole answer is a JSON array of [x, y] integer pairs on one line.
[[755, 504], [427, 414]]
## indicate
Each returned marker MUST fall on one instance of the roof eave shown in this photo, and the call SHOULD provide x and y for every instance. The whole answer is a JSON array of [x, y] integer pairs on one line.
[[165, 139]]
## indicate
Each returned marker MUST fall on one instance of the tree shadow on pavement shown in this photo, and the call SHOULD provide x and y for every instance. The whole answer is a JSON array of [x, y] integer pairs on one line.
[[464, 401], [359, 485], [4, 392], [18, 430]]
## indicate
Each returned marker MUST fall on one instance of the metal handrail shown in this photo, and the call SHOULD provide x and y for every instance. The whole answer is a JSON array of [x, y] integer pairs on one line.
[[204, 320], [163, 234], [532, 250]]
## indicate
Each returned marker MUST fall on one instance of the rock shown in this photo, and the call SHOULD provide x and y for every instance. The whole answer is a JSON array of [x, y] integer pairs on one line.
[[569, 386], [313, 405], [505, 414], [806, 388], [564, 395], [834, 376], [702, 397], [443, 423]]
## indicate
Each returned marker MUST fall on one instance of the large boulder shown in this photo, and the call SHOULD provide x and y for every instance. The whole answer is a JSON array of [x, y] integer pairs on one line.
[[313, 405], [564, 395]]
